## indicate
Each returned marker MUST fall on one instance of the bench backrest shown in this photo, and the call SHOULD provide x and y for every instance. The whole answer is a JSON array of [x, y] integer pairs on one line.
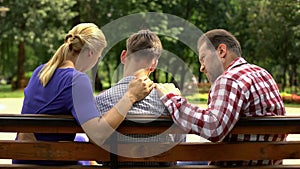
[[140, 124]]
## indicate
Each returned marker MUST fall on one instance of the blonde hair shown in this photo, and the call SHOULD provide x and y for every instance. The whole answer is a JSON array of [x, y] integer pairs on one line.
[[82, 36]]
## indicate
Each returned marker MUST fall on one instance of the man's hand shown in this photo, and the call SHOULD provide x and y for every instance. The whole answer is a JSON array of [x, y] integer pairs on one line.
[[166, 88], [139, 88]]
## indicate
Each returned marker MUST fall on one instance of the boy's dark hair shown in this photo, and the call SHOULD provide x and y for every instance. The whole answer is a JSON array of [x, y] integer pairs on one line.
[[144, 43]]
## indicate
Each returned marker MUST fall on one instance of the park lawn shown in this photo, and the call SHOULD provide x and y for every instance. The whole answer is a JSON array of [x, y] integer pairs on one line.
[[198, 98], [6, 92]]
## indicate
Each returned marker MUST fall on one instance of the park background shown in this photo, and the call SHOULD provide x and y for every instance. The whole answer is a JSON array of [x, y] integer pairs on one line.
[[268, 30]]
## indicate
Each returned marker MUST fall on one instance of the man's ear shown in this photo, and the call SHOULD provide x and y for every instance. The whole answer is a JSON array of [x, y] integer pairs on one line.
[[123, 56], [91, 53], [153, 65], [222, 50]]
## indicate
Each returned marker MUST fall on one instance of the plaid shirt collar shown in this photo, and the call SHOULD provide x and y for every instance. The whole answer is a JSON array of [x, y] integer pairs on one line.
[[236, 62]]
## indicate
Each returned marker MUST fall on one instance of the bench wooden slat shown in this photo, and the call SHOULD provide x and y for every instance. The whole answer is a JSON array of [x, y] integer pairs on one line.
[[42, 150], [5, 166], [266, 130], [181, 152], [25, 166], [149, 129], [38, 123], [139, 124], [214, 151]]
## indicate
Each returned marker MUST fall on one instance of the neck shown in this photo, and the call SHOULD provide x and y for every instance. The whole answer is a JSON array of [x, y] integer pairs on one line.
[[136, 72], [67, 64], [130, 68], [230, 57], [137, 68]]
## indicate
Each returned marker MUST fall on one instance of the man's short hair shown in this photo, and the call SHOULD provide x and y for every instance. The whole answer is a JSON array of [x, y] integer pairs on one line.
[[144, 43], [219, 36]]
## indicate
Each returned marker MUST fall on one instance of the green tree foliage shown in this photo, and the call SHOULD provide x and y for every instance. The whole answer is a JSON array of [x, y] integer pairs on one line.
[[32, 29], [269, 33], [267, 29]]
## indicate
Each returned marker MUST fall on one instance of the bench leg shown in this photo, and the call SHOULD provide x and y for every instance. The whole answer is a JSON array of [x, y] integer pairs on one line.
[[113, 149]]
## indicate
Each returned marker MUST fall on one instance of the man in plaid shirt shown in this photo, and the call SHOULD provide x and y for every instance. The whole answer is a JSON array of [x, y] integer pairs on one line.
[[239, 89]]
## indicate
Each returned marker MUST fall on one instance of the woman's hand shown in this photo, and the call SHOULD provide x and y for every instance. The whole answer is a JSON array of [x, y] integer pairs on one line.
[[139, 88], [166, 88]]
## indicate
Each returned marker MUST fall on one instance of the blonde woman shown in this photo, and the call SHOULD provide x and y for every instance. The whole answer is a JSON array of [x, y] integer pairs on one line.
[[61, 87]]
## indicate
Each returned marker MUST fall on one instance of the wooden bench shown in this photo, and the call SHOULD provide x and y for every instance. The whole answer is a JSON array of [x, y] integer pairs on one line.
[[185, 151]]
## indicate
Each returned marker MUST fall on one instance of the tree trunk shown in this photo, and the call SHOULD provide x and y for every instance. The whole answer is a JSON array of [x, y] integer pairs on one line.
[[76, 19], [182, 77], [284, 78], [154, 76], [108, 72], [21, 81], [98, 83], [294, 78]]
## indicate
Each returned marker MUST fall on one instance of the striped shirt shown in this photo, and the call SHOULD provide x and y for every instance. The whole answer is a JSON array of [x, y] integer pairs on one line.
[[242, 90]]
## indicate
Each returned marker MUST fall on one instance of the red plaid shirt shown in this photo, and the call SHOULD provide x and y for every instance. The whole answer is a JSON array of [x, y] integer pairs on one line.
[[242, 90]]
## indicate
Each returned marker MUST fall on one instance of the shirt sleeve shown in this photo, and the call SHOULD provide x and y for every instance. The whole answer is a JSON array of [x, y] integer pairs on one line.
[[104, 102], [84, 103], [215, 122]]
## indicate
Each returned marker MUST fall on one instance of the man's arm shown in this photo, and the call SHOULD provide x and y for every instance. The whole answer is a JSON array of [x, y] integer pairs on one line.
[[213, 123]]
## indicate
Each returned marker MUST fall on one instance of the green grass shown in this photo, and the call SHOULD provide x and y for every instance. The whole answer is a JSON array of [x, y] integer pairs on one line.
[[197, 98], [7, 92], [201, 98]]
